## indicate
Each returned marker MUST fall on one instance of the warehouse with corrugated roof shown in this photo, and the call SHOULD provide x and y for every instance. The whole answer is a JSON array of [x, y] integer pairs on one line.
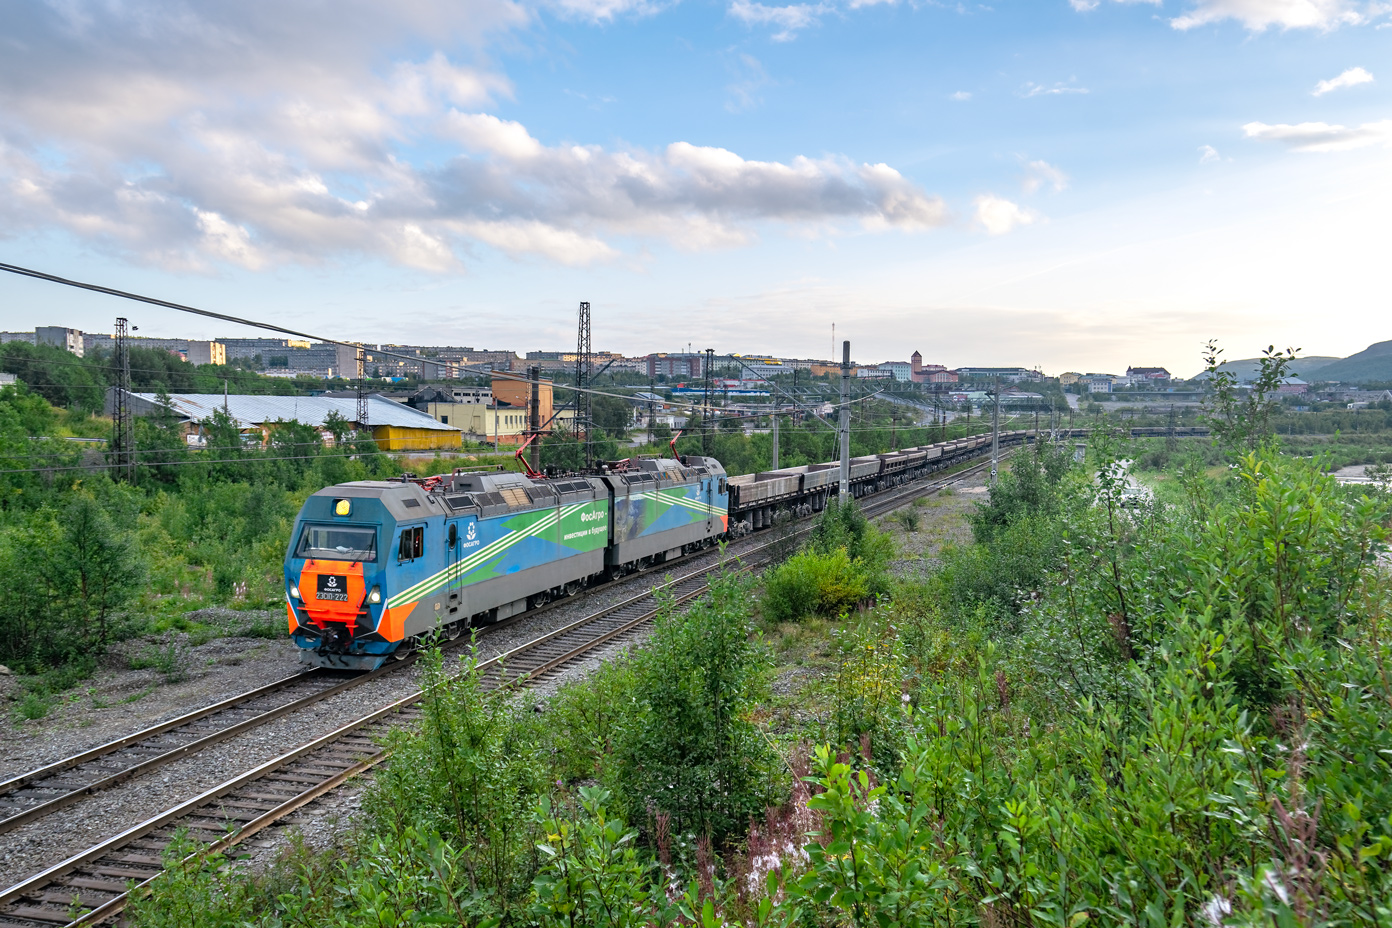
[[394, 426]]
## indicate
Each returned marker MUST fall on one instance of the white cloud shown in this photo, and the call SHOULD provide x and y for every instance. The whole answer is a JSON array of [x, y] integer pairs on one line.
[[1032, 89], [604, 10], [999, 216], [1041, 173], [484, 133], [1321, 136], [962, 95], [787, 19], [193, 135], [1259, 15], [1350, 78], [750, 78], [1208, 154], [1084, 6]]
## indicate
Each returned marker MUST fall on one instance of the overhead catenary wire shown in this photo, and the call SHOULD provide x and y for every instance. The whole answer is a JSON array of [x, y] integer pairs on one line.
[[271, 327], [254, 458]]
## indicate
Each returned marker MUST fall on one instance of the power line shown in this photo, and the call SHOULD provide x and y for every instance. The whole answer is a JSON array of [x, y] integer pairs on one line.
[[245, 460], [183, 308]]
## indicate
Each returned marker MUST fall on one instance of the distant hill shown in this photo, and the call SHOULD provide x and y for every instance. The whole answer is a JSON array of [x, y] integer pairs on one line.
[[1304, 368], [1372, 363]]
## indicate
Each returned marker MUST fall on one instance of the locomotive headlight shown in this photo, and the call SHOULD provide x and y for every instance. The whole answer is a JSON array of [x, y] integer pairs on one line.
[[294, 591], [375, 596]]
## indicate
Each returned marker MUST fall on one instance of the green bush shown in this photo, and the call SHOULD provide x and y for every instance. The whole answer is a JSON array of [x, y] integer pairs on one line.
[[813, 583], [471, 776], [687, 747], [583, 718], [909, 519]]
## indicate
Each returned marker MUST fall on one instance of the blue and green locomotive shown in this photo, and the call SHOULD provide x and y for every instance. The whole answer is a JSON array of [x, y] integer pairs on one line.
[[375, 565]]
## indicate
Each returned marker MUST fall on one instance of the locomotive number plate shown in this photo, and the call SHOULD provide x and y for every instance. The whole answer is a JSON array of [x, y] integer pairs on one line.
[[332, 588]]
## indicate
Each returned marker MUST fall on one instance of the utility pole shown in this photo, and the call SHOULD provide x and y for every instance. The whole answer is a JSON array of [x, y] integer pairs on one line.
[[845, 422], [708, 413], [123, 418], [894, 431], [652, 392], [773, 464], [534, 375], [995, 429]]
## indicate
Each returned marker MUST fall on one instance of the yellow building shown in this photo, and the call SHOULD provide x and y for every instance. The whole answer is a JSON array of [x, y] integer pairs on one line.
[[394, 426], [505, 425]]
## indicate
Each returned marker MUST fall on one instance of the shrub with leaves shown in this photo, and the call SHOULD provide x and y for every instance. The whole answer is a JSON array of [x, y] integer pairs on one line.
[[688, 746]]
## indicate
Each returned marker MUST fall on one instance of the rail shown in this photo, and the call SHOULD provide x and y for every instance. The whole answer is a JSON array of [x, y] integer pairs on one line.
[[246, 804]]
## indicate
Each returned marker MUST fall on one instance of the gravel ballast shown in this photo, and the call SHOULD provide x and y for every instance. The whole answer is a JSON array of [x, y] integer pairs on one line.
[[129, 700]]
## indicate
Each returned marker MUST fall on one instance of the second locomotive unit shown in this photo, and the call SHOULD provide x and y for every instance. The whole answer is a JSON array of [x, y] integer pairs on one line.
[[374, 565]]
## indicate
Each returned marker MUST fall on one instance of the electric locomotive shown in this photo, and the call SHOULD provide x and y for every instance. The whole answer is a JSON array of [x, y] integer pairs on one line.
[[373, 566]]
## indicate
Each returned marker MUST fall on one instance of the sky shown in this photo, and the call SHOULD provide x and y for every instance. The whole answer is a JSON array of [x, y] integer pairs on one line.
[[1068, 184]]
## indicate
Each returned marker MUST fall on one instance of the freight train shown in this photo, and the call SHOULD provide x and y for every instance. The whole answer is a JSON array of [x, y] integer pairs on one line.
[[373, 566]]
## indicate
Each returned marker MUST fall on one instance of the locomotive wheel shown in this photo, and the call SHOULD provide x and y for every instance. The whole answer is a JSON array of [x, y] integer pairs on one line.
[[572, 588], [453, 630], [404, 650]]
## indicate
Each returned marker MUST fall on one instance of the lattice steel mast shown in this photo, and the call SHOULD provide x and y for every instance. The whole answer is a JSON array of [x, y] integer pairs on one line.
[[364, 426], [122, 417], [584, 376]]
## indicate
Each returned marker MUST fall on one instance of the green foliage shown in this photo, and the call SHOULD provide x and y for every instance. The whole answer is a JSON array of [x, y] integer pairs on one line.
[[168, 657], [72, 570], [189, 892], [1030, 488], [1241, 420], [909, 519], [54, 374], [564, 451], [870, 870], [688, 748], [812, 583], [592, 872], [842, 565], [470, 774], [584, 717], [868, 695]]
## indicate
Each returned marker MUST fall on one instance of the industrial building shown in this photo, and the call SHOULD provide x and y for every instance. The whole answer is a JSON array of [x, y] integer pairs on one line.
[[394, 426], [499, 414]]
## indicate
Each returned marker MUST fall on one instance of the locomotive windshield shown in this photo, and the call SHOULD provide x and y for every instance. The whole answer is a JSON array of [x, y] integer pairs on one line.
[[337, 543]]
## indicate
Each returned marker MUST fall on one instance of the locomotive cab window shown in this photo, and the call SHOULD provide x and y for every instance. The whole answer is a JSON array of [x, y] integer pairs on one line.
[[721, 489], [337, 543], [412, 543]]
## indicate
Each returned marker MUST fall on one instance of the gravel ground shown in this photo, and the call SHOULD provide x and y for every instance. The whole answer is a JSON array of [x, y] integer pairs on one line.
[[219, 669], [328, 820], [118, 700], [943, 521]]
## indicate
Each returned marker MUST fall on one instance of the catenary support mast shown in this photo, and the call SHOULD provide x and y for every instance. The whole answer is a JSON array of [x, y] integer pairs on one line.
[[845, 422]]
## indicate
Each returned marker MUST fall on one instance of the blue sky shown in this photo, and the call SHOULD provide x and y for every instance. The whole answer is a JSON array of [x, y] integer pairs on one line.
[[1078, 185]]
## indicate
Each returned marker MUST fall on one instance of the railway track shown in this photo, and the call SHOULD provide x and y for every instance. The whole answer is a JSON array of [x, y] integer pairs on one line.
[[94, 882], [32, 795]]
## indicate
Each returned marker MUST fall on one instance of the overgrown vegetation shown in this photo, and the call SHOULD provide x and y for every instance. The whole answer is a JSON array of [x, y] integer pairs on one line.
[[90, 561], [1106, 710]]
